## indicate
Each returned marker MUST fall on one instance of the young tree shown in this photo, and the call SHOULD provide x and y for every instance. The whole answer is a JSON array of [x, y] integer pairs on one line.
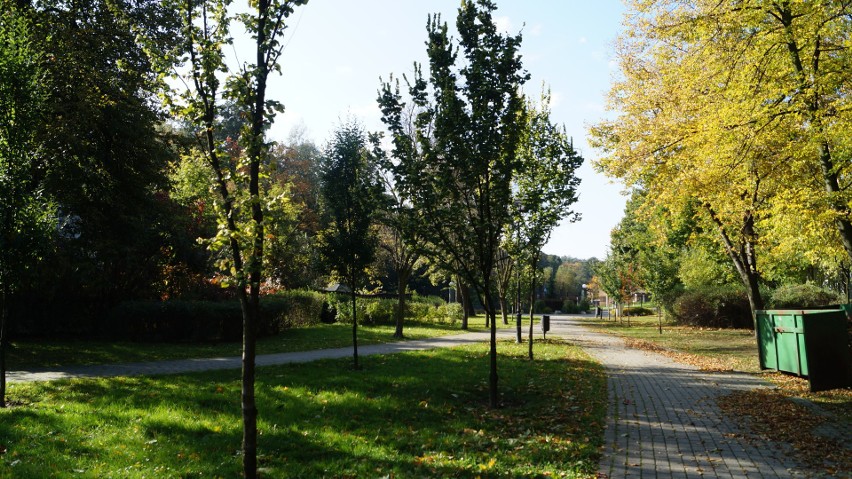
[[352, 196], [546, 187], [205, 30], [468, 131], [398, 232]]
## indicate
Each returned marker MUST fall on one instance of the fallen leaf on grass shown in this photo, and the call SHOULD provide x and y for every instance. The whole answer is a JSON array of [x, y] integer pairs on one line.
[[703, 363]]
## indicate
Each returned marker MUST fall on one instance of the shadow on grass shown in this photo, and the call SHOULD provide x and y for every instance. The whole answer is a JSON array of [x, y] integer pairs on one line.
[[413, 414]]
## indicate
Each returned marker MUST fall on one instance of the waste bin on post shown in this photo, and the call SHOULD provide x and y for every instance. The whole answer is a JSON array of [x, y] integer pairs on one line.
[[807, 343], [545, 325]]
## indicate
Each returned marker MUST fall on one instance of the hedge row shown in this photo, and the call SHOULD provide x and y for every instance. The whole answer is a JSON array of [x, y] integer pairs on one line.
[[195, 321], [371, 311], [209, 320]]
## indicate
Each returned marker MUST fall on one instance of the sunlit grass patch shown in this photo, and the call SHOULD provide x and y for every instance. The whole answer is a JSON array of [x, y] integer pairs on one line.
[[420, 414]]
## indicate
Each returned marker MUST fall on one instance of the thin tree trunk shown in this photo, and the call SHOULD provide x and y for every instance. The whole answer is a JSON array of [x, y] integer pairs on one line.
[[354, 333], [503, 311], [532, 316], [402, 285], [493, 393], [249, 408], [464, 295], [4, 340]]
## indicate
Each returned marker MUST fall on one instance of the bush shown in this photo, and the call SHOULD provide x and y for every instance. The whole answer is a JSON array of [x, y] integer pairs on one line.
[[197, 321], [175, 321], [714, 307], [638, 311], [803, 296], [541, 307], [291, 309], [444, 314]]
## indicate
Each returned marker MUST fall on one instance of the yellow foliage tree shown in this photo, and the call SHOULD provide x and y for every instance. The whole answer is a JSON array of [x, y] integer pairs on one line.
[[742, 106]]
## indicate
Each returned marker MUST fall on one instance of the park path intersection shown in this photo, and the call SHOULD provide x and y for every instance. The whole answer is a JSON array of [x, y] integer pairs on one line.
[[662, 420]]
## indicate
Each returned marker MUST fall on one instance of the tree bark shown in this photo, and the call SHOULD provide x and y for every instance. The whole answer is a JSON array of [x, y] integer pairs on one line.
[[401, 287], [4, 341], [493, 392], [744, 259], [464, 296], [532, 315], [354, 332]]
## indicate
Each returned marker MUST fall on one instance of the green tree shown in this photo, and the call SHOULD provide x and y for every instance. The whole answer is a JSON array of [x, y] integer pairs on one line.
[[546, 188], [25, 213], [468, 132], [237, 176], [352, 196]]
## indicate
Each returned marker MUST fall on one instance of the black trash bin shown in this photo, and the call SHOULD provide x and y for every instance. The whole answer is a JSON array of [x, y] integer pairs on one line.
[[545, 324]]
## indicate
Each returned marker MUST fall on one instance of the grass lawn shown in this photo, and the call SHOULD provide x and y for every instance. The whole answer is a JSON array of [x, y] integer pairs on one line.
[[33, 353], [419, 414], [725, 349]]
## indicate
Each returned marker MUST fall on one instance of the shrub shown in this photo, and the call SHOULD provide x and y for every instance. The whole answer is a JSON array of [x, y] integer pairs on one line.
[[716, 307], [541, 307], [175, 321], [380, 311], [444, 314], [806, 295], [638, 311], [291, 309], [195, 321]]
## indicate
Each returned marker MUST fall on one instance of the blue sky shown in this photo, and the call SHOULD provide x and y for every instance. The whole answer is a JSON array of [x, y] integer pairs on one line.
[[336, 50]]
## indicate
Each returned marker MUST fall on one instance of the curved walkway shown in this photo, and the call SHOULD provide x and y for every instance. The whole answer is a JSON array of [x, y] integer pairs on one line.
[[663, 421], [211, 364]]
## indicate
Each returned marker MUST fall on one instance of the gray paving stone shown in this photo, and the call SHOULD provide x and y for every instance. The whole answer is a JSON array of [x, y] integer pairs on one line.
[[664, 415]]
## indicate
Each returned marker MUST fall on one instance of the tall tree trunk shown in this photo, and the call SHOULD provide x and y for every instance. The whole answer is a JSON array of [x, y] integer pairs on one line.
[[532, 315], [464, 296], [535, 259], [4, 340], [503, 311], [354, 332], [744, 258], [401, 287], [493, 393], [249, 407]]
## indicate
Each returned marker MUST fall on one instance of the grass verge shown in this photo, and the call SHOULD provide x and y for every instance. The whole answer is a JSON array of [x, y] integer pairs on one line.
[[34, 353], [420, 414]]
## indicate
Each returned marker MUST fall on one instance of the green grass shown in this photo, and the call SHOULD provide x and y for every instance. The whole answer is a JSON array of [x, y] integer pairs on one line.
[[420, 414], [729, 348]]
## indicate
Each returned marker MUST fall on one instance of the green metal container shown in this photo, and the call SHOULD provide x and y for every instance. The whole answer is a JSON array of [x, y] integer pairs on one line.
[[807, 343]]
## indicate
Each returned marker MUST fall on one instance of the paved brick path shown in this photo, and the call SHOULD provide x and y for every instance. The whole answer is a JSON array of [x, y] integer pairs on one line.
[[663, 421]]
